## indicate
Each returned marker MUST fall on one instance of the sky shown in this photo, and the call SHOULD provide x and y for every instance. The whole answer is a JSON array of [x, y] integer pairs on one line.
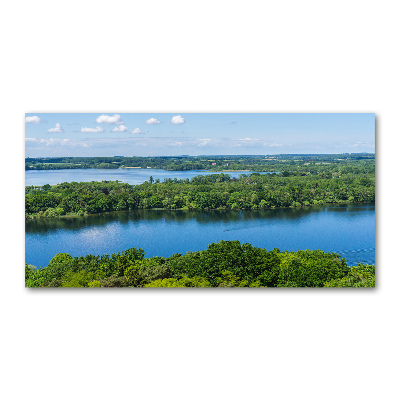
[[174, 134]]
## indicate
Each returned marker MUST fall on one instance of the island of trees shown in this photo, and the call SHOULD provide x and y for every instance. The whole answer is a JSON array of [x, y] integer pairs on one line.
[[223, 264], [294, 185]]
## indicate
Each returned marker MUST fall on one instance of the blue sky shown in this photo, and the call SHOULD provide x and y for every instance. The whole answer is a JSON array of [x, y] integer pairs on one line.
[[170, 134]]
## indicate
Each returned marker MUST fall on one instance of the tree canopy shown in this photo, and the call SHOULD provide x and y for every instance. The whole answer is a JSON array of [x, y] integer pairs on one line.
[[223, 264], [352, 182]]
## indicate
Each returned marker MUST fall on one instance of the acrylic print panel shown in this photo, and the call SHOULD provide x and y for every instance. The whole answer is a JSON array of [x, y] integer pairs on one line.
[[199, 200]]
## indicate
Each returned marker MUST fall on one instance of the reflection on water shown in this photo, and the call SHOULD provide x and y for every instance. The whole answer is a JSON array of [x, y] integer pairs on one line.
[[180, 216], [346, 229]]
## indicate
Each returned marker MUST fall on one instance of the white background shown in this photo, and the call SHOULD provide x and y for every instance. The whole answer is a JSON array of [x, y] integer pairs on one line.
[[209, 56]]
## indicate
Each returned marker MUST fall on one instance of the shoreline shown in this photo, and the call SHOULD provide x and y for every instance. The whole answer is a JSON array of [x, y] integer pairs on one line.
[[145, 168], [184, 209]]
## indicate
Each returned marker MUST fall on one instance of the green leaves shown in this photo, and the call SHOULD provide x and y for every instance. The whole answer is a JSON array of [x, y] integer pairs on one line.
[[223, 264], [208, 192], [196, 281], [363, 275], [244, 261]]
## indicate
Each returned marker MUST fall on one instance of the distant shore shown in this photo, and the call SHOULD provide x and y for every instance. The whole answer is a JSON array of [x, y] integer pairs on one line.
[[233, 170]]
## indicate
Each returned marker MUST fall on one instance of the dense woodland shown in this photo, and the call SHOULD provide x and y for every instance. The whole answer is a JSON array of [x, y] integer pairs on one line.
[[280, 162], [223, 264], [297, 185]]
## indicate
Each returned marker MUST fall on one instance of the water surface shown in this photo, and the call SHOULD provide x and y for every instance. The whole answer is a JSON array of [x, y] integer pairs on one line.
[[346, 229], [133, 176]]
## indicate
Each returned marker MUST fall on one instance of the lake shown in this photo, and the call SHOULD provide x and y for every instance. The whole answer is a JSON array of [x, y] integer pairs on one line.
[[346, 229], [133, 176]]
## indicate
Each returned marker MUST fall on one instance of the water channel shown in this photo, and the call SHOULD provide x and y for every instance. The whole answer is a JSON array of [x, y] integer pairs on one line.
[[346, 229]]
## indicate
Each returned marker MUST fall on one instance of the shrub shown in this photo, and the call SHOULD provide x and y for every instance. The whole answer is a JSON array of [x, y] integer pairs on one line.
[[244, 261], [185, 281], [310, 268], [361, 276], [154, 268]]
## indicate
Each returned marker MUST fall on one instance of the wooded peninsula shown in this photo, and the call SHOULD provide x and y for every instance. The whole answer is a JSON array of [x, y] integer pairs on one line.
[[295, 182]]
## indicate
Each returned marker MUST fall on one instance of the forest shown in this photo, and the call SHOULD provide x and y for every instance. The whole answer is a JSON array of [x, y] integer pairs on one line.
[[184, 163], [223, 264], [350, 182]]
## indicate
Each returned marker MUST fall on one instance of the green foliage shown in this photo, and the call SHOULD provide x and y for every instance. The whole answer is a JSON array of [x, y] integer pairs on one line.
[[133, 254], [153, 269], [298, 184], [310, 268], [114, 281], [59, 265], [228, 279], [60, 259], [363, 275], [94, 283], [288, 163], [223, 264], [244, 261], [65, 271], [77, 279], [196, 281], [36, 279], [132, 275], [29, 271]]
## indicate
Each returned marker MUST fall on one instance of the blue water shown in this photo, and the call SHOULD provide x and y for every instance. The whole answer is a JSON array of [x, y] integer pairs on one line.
[[133, 176], [345, 229]]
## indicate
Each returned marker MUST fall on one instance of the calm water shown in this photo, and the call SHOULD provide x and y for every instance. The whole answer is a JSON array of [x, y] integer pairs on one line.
[[133, 176], [346, 229]]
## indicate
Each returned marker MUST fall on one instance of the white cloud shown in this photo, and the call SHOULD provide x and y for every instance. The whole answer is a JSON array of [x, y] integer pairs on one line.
[[177, 120], [137, 130], [97, 129], [361, 144], [33, 120], [204, 142], [62, 142], [57, 129], [107, 119], [52, 141], [121, 128], [152, 121]]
